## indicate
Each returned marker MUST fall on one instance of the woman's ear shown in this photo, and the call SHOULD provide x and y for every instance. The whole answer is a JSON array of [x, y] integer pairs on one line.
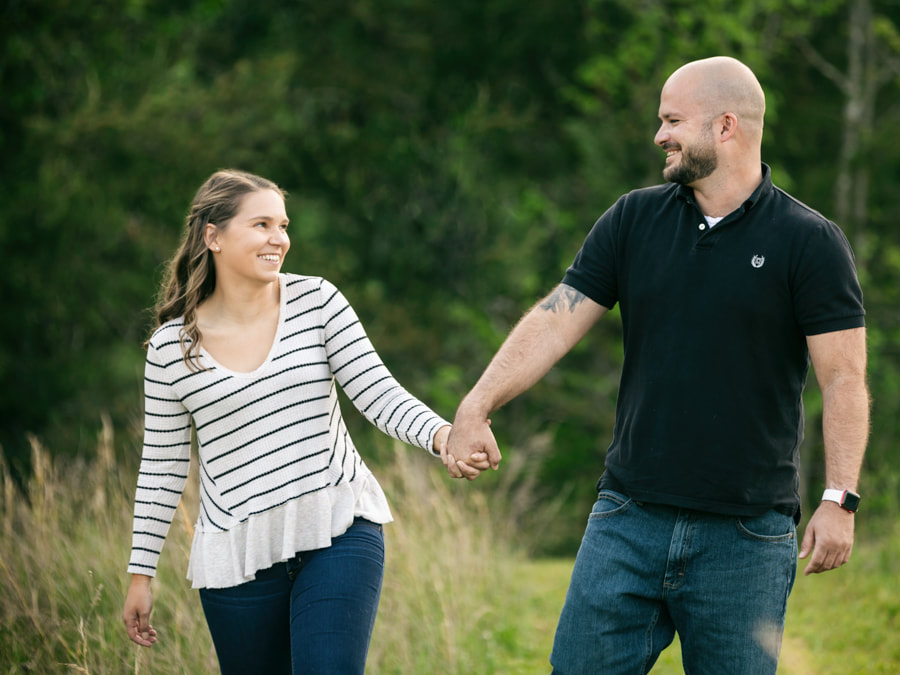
[[211, 237]]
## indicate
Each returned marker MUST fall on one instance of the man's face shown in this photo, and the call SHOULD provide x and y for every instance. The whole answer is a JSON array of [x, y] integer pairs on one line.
[[686, 134], [687, 161]]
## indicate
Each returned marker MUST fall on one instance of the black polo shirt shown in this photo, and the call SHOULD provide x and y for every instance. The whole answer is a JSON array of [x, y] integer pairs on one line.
[[709, 413]]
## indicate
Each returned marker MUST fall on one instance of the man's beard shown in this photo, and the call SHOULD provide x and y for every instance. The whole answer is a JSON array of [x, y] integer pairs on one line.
[[694, 164]]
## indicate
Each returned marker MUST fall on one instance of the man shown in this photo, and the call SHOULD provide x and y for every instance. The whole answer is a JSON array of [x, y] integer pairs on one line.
[[728, 287]]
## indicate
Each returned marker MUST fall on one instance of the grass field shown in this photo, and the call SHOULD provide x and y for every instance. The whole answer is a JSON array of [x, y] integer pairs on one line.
[[460, 597]]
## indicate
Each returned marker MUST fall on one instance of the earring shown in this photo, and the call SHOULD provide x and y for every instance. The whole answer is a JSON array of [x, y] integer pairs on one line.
[[217, 249]]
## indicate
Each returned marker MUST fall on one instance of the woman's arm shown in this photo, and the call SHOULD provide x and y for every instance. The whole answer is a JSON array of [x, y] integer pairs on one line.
[[161, 478], [367, 381], [165, 460]]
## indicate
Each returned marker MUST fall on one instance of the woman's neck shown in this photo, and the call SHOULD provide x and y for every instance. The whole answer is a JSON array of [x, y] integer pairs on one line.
[[240, 303]]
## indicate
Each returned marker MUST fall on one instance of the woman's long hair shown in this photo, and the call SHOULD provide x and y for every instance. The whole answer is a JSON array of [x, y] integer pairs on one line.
[[190, 276]]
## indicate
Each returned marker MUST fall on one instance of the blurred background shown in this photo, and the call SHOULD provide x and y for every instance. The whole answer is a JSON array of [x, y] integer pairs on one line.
[[444, 162]]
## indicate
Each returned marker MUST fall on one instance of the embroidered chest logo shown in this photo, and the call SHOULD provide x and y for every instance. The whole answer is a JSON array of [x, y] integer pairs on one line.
[[758, 261]]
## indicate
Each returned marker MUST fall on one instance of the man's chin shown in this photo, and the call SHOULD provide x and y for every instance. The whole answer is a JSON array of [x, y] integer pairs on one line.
[[673, 175]]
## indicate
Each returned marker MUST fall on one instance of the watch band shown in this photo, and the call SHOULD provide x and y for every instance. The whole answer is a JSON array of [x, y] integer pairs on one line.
[[848, 500]]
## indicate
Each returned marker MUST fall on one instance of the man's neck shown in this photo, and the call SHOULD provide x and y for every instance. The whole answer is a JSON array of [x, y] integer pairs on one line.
[[725, 190]]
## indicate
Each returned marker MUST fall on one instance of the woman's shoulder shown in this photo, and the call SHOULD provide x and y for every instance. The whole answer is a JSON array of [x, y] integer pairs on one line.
[[299, 285], [167, 333]]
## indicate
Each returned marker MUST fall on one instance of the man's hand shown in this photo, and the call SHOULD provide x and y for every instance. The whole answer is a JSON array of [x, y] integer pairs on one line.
[[471, 447], [829, 535]]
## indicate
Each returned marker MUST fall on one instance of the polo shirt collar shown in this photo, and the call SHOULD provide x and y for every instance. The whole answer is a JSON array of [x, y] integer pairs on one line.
[[762, 190]]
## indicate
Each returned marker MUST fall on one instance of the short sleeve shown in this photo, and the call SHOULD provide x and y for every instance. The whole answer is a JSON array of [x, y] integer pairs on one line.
[[827, 294], [594, 270]]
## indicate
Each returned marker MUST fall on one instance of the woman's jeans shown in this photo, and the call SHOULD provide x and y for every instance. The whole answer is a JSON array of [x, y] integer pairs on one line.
[[645, 571], [311, 614]]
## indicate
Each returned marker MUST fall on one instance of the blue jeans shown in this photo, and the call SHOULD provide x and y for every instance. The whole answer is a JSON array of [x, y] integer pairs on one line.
[[311, 614], [645, 571]]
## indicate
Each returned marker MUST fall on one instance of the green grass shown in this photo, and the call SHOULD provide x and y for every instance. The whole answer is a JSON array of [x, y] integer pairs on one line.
[[848, 620], [460, 596]]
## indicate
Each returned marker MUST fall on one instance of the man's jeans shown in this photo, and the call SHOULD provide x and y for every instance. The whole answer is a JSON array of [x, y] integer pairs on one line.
[[645, 571], [311, 614]]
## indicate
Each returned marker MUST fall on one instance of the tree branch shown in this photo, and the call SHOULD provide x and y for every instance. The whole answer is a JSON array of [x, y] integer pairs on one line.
[[824, 67]]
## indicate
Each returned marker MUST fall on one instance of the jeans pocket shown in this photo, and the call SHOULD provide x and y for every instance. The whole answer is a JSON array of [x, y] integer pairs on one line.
[[610, 503], [772, 526], [368, 523]]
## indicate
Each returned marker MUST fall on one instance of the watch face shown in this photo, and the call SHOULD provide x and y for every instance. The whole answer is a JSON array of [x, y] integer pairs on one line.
[[850, 501]]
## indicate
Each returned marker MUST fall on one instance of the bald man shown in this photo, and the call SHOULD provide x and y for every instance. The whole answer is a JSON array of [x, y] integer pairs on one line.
[[728, 288]]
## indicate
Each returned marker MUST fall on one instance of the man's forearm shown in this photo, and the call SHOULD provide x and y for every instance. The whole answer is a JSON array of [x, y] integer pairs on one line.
[[540, 339], [845, 431], [523, 359]]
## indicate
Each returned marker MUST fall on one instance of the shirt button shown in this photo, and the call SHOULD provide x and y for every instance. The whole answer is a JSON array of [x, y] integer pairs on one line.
[[702, 226]]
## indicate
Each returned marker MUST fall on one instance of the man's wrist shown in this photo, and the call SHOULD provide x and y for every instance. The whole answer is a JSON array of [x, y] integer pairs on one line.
[[846, 499], [472, 410]]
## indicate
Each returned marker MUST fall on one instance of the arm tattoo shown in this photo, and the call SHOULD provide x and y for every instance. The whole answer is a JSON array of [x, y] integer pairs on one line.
[[562, 296]]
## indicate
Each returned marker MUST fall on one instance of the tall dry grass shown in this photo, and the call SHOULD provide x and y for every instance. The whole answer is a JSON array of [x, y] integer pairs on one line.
[[459, 595], [448, 604], [64, 546]]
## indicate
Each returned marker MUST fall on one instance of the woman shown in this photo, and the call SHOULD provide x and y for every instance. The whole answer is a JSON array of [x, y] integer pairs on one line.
[[288, 551]]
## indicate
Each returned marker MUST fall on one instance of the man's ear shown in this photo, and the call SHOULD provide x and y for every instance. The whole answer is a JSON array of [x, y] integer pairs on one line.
[[728, 124]]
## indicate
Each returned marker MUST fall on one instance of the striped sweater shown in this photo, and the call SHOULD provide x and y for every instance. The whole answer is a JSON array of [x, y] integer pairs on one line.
[[278, 470]]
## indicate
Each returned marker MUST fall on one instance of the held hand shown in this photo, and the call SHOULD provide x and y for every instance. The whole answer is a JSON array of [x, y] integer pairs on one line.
[[457, 468], [136, 615], [440, 440], [472, 441], [462, 469], [829, 535]]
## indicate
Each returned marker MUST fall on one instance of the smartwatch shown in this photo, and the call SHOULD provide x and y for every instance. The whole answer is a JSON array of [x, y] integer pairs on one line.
[[849, 501]]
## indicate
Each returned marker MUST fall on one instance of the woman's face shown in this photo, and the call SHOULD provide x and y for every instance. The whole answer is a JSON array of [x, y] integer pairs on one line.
[[252, 245]]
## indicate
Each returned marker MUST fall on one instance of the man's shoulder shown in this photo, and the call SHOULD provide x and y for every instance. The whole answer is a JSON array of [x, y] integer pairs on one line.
[[653, 193], [798, 213], [651, 202], [808, 232]]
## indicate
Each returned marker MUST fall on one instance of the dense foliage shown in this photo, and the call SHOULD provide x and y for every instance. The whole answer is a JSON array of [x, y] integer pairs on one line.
[[444, 162]]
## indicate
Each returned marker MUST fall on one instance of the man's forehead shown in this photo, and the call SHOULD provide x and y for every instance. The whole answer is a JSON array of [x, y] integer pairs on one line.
[[679, 102]]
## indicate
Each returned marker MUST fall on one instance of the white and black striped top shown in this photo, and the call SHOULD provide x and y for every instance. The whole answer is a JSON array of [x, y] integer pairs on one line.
[[268, 441]]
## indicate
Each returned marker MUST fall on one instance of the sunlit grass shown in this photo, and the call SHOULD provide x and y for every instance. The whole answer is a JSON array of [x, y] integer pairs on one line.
[[460, 595], [451, 601], [849, 619]]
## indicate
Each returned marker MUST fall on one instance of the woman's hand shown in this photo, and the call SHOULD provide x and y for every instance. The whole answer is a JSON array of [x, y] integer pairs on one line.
[[440, 439], [136, 615]]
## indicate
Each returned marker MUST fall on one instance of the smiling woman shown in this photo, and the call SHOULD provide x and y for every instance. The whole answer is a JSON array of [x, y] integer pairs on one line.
[[288, 551], [253, 244], [248, 252]]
